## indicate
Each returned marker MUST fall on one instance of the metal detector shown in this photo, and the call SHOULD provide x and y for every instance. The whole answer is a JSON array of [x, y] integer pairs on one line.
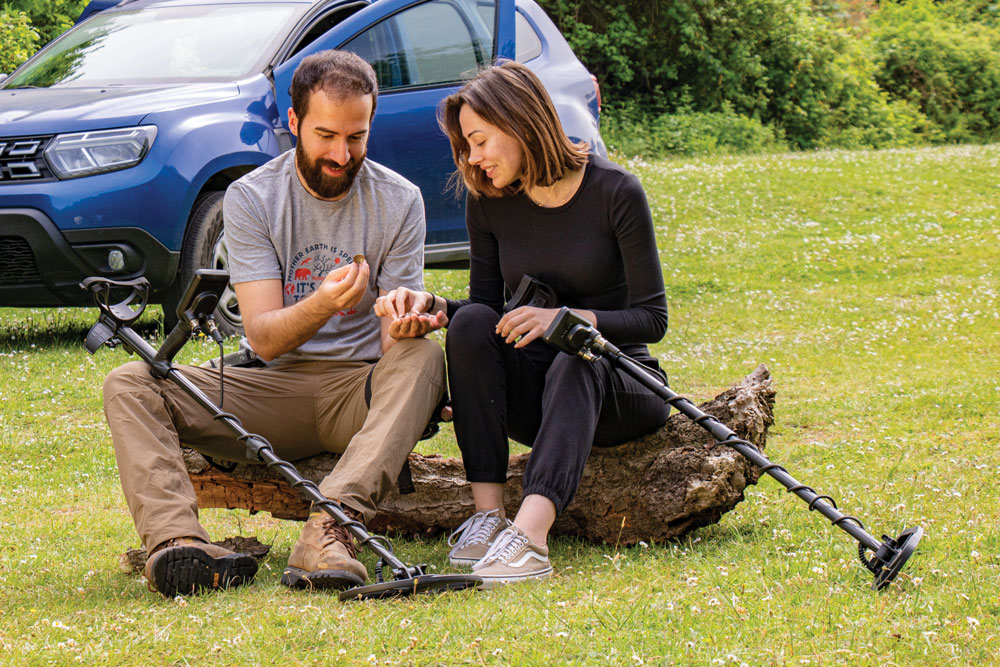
[[573, 334], [122, 302]]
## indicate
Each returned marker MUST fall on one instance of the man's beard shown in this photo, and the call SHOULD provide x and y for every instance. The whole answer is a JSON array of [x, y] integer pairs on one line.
[[322, 184]]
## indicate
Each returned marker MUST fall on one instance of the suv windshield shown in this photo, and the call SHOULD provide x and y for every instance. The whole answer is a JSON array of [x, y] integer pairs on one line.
[[160, 45]]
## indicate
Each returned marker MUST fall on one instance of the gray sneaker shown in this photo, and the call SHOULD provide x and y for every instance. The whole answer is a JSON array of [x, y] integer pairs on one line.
[[513, 557], [473, 538]]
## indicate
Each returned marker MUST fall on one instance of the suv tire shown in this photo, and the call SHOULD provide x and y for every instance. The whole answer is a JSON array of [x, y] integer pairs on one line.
[[204, 248]]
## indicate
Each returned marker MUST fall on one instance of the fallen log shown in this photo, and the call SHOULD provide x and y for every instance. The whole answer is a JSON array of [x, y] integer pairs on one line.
[[660, 486]]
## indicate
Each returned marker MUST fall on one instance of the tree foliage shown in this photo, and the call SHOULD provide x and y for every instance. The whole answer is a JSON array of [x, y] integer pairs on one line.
[[986, 12], [50, 18], [948, 69], [736, 75], [816, 72], [18, 40]]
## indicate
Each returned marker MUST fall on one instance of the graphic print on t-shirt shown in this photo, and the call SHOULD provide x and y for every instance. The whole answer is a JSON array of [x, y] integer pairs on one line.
[[310, 265]]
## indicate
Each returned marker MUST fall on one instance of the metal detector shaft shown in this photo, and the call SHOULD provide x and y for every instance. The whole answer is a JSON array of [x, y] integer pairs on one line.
[[195, 313], [259, 448], [726, 436], [573, 334]]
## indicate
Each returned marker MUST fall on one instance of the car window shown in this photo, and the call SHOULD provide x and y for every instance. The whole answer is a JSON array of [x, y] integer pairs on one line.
[[488, 11], [379, 46], [159, 45], [528, 44], [437, 42], [326, 22]]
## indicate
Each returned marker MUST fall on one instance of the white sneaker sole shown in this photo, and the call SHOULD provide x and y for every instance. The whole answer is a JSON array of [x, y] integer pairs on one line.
[[490, 582]]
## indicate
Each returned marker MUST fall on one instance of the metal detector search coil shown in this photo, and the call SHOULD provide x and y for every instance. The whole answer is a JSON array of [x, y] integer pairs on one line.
[[573, 334], [200, 301]]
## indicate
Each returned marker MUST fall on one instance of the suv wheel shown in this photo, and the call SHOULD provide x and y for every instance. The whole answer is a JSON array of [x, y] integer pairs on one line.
[[204, 248]]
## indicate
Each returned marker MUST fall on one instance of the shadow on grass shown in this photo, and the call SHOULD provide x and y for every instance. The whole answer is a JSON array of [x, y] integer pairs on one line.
[[59, 327]]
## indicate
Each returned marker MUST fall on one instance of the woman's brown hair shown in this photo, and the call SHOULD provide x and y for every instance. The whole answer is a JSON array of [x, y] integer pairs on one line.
[[510, 97]]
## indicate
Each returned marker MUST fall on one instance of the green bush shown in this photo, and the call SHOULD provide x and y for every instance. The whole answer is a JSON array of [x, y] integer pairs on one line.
[[980, 11], [630, 131], [950, 71], [18, 40], [823, 93], [778, 62], [50, 18]]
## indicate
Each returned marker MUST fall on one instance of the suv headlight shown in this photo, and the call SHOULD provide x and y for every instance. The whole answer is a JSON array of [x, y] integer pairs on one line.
[[87, 153]]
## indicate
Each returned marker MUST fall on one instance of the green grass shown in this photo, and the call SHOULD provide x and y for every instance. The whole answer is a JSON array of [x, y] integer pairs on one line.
[[868, 283]]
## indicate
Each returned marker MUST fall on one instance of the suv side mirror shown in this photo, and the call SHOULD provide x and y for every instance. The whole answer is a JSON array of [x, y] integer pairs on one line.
[[2, 77]]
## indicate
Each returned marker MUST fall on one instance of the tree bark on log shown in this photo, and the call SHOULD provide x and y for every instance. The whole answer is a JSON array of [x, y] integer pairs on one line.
[[660, 486]]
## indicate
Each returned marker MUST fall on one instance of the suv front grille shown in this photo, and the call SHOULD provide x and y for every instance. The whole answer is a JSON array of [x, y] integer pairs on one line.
[[21, 159], [17, 262]]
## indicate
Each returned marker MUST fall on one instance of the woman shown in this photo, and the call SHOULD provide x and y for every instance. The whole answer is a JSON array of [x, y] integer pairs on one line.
[[537, 205]]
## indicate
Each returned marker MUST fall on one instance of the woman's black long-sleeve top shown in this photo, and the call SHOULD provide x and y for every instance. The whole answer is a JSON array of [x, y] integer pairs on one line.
[[597, 252]]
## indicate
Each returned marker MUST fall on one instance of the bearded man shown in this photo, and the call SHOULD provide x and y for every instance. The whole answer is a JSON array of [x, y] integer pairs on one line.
[[314, 237]]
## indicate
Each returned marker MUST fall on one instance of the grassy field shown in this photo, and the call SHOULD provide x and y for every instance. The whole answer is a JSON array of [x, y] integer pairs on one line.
[[867, 282]]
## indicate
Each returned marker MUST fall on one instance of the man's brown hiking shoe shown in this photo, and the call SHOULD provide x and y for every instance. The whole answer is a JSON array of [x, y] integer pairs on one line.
[[187, 566], [324, 557]]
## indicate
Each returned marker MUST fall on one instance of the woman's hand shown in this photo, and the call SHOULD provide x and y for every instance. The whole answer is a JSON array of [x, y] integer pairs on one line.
[[402, 300], [409, 313], [523, 325], [414, 325]]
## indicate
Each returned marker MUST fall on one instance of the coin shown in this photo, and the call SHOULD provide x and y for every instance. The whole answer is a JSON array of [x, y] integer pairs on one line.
[[359, 259]]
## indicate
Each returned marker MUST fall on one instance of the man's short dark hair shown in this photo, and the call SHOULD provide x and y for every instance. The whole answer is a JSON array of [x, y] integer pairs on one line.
[[340, 74]]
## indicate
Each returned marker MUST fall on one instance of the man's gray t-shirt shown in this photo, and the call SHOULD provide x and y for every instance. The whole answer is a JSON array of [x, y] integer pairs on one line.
[[275, 229]]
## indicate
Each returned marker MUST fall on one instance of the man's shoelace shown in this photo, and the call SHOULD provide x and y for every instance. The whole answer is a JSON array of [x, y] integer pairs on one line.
[[333, 532]]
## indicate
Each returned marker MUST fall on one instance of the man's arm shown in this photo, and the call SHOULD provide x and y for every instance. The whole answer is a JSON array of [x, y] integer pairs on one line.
[[273, 330]]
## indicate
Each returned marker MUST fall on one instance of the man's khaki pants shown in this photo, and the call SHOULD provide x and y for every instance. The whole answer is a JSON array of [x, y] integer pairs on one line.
[[303, 409]]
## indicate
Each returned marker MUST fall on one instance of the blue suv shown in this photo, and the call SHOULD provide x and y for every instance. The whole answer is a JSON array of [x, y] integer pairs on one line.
[[118, 139]]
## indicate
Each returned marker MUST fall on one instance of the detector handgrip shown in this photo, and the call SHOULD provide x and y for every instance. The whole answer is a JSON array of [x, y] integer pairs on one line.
[[125, 309]]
